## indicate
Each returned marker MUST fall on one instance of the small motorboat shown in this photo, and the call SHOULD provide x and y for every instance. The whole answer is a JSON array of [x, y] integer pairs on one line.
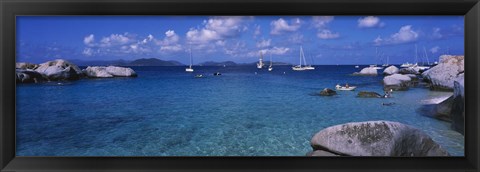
[[217, 74], [345, 88], [199, 76]]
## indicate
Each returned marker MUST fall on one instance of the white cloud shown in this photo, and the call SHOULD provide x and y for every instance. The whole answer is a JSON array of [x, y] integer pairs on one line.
[[327, 34], [217, 28], [405, 35], [436, 33], [87, 52], [114, 39], [369, 22], [264, 43], [296, 38], [226, 26], [434, 49], [257, 32], [378, 40], [274, 51], [88, 40], [202, 36], [170, 42], [280, 26], [176, 47], [321, 21]]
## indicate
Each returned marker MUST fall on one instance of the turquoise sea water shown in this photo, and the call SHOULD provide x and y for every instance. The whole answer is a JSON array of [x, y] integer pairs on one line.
[[167, 112]]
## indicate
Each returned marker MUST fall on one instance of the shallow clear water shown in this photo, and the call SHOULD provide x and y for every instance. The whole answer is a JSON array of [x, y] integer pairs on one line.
[[167, 112]]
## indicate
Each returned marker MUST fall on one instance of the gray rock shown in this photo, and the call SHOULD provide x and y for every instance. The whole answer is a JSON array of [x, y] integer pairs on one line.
[[368, 71], [390, 70], [397, 82], [24, 65], [59, 70], [368, 94], [409, 70], [327, 92], [28, 76], [441, 111], [458, 107], [108, 72], [97, 72], [121, 71], [376, 138], [448, 70]]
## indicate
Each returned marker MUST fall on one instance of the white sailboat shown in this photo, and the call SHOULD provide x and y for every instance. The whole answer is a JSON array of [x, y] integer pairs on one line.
[[300, 67], [411, 65], [190, 69], [423, 67], [386, 64], [260, 61], [376, 57], [270, 68]]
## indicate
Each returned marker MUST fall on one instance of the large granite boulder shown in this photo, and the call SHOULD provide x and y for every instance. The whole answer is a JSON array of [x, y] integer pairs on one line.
[[368, 71], [368, 94], [442, 76], [397, 82], [327, 92], [441, 110], [59, 70], [25, 65], [108, 72], [390, 70], [458, 107], [28, 76], [375, 138], [409, 70]]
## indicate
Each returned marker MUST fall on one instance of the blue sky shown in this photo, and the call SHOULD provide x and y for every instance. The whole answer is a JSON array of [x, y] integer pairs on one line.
[[325, 39]]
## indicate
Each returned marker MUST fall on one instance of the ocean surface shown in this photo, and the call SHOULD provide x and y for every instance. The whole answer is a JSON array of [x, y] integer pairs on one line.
[[244, 112]]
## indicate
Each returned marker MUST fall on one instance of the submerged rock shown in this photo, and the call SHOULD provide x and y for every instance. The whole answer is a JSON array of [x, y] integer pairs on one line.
[[59, 70], [108, 72], [375, 138], [368, 71], [368, 94], [448, 70], [390, 70], [397, 82], [327, 92], [28, 76]]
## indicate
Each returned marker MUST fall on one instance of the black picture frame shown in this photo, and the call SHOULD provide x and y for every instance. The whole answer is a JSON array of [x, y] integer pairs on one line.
[[11, 8]]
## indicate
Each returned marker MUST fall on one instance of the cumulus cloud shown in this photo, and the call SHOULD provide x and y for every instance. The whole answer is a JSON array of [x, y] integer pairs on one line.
[[281, 26], [296, 38], [170, 42], [115, 39], [264, 43], [434, 49], [405, 35], [369, 22], [88, 40], [321, 21], [327, 34], [217, 28]]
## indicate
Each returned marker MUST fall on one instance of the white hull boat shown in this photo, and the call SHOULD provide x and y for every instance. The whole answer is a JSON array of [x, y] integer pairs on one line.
[[350, 88]]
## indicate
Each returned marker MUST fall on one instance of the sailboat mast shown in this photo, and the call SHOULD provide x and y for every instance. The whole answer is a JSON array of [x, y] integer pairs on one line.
[[426, 55], [271, 60], [300, 57], [416, 54], [191, 61]]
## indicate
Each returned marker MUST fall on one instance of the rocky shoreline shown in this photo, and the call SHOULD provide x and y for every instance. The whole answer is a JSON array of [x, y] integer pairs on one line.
[[63, 70], [385, 138]]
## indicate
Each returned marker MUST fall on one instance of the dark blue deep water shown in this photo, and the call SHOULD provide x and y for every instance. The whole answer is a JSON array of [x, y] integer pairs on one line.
[[167, 112]]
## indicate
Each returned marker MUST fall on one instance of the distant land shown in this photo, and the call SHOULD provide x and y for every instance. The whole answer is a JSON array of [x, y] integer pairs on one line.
[[159, 62]]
